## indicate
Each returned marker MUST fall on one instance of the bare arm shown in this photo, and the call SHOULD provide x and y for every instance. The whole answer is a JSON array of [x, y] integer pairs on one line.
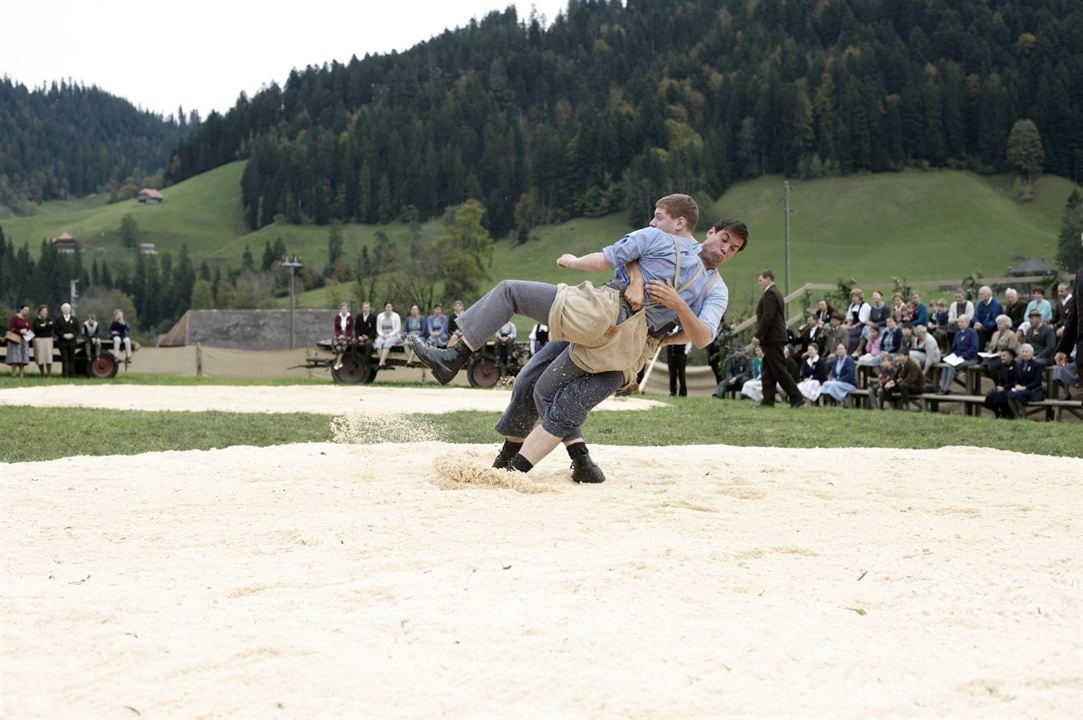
[[634, 292], [693, 329], [593, 262]]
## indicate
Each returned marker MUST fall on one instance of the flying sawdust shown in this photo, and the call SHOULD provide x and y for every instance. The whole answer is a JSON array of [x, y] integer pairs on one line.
[[362, 429], [456, 472]]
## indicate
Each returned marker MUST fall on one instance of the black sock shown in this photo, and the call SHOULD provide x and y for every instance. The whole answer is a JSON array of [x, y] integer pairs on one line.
[[510, 448], [521, 464], [577, 449]]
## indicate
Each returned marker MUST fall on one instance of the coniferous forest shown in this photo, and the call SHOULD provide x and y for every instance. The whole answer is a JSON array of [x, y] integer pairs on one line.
[[68, 141], [613, 104]]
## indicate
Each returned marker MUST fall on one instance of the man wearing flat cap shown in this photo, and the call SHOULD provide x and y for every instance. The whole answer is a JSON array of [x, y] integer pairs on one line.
[[1041, 337]]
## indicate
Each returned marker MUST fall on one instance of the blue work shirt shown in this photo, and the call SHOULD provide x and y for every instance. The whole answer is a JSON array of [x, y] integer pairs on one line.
[[654, 251]]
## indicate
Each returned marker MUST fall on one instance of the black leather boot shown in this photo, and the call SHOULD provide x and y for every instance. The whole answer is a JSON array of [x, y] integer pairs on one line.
[[585, 470], [507, 452], [445, 364]]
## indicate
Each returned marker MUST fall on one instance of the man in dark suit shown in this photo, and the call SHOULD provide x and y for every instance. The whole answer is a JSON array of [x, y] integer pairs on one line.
[[1073, 326], [365, 327], [771, 332], [67, 337]]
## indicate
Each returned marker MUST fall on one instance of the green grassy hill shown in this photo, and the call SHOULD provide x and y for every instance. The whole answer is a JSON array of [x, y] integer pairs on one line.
[[916, 225]]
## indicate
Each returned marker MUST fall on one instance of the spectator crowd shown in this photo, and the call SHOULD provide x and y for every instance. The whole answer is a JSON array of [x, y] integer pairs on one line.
[[41, 336]]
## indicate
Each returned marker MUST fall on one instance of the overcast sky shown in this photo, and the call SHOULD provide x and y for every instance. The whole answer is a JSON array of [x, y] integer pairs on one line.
[[201, 54]]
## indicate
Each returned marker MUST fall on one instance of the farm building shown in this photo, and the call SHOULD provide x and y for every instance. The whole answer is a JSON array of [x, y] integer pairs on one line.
[[65, 243], [248, 329], [150, 196]]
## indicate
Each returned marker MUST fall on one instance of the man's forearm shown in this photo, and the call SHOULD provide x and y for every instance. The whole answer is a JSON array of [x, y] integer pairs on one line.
[[594, 262]]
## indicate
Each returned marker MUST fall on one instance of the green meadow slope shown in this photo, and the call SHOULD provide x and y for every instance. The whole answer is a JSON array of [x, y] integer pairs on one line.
[[917, 225]]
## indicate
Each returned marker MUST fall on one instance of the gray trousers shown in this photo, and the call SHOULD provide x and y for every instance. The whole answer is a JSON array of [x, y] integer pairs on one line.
[[558, 392], [508, 298]]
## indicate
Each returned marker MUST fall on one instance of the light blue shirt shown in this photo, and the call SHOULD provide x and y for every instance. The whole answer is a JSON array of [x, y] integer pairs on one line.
[[1043, 307], [654, 251]]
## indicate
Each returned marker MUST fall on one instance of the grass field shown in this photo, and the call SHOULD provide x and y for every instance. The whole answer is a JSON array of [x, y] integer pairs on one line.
[[50, 433]]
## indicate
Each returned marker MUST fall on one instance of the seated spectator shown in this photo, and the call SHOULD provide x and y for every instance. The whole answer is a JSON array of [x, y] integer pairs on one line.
[[365, 327], [921, 312], [880, 311], [43, 328], [453, 331], [343, 333], [119, 331], [997, 398], [899, 309], [965, 349], [824, 311], [1014, 309], [813, 374], [92, 337], [414, 324], [841, 375], [1040, 336], [738, 372], [985, 314], [753, 387], [891, 339], [437, 326], [811, 332], [1039, 303], [1023, 385], [505, 343], [872, 355], [909, 381], [1003, 339], [961, 306], [1066, 376], [834, 333], [388, 334], [940, 325], [926, 351], [539, 337], [885, 381], [857, 317]]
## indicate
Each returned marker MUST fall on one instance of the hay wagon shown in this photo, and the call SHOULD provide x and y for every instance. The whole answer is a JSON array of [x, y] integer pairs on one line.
[[104, 366], [360, 362]]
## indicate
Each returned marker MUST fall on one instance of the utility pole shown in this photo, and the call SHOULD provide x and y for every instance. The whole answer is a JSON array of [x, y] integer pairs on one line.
[[786, 185], [292, 262]]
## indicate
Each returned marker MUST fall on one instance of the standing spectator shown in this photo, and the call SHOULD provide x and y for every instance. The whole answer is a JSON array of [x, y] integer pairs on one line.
[[92, 338], [738, 372], [67, 337], [120, 331], [771, 332], [365, 327], [926, 352], [1072, 339], [1003, 339], [813, 374], [18, 349], [343, 333], [539, 337], [909, 380], [388, 329], [437, 326], [505, 342], [985, 314], [857, 317], [921, 312], [841, 375], [965, 347], [1039, 303], [454, 333], [415, 325], [1014, 309], [1040, 337], [43, 328], [677, 361], [1060, 308]]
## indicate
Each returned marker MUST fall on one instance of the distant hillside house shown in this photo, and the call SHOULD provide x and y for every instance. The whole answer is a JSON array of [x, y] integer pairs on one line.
[[1033, 266], [65, 243], [148, 249], [150, 196], [249, 329]]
